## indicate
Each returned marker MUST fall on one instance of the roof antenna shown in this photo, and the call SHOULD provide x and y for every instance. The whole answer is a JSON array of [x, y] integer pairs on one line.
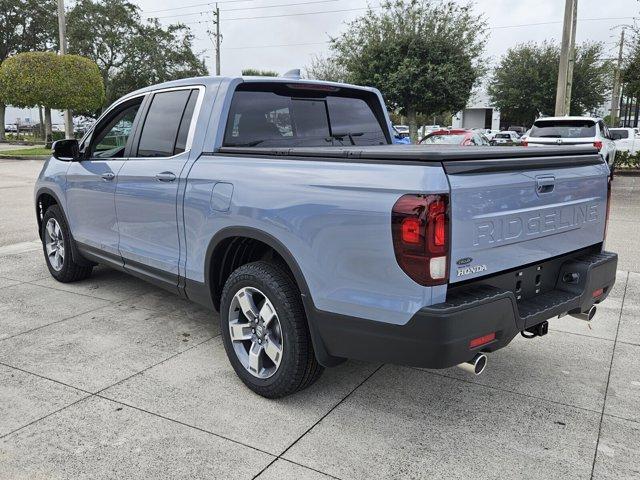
[[295, 74]]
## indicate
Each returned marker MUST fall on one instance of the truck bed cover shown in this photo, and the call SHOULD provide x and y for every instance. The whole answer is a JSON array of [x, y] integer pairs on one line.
[[455, 159]]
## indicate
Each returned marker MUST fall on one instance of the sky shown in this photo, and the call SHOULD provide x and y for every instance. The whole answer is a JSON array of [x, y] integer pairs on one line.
[[259, 42], [290, 32]]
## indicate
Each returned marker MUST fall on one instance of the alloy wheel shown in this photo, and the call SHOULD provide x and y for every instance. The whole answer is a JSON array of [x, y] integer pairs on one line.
[[54, 244], [256, 333]]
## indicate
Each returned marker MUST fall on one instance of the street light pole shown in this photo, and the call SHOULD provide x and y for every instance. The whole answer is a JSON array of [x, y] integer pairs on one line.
[[62, 30], [562, 99]]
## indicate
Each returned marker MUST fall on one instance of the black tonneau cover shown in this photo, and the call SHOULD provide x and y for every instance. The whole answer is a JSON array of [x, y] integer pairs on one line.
[[455, 159]]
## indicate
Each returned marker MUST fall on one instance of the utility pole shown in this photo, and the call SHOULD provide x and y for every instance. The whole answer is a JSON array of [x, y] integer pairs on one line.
[[570, 10], [572, 58], [216, 13], [62, 29], [615, 94]]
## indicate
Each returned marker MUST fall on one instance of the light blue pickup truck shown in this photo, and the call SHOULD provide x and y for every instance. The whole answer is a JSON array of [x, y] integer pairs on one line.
[[282, 204]]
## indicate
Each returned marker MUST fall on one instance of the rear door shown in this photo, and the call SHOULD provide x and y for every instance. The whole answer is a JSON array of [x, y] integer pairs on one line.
[[147, 189], [506, 214]]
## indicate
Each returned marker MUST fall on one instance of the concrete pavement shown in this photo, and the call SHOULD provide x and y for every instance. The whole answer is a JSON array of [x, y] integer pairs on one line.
[[113, 378]]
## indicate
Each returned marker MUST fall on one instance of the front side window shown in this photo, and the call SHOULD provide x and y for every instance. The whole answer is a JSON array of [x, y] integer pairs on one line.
[[159, 136], [111, 139], [284, 118]]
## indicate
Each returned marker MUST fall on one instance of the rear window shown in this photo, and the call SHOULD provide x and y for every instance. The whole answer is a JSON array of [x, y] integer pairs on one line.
[[563, 129], [619, 134], [503, 135], [443, 140], [284, 117]]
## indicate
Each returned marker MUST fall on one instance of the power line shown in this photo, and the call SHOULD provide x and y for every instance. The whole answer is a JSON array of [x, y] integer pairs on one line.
[[250, 8], [193, 5], [273, 46], [555, 23], [286, 15]]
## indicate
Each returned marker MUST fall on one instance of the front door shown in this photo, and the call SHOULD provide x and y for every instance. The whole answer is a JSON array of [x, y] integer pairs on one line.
[[147, 189], [91, 183]]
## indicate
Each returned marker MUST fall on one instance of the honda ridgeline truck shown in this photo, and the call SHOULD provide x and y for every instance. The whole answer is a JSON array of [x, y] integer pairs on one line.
[[281, 203]]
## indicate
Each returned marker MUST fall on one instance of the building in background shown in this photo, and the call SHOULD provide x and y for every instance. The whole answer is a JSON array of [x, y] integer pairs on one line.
[[479, 113]]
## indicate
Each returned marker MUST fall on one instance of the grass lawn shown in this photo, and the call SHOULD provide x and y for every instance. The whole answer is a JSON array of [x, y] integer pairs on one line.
[[26, 152]]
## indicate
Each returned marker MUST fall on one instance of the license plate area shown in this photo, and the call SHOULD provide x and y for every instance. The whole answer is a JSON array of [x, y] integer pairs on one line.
[[531, 280]]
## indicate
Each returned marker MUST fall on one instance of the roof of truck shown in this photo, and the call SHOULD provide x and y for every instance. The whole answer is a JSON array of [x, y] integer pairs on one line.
[[214, 80]]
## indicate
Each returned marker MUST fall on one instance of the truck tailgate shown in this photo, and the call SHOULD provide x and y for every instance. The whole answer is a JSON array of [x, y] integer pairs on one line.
[[507, 214]]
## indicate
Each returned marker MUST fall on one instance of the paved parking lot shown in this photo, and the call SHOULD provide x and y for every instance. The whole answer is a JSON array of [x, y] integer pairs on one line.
[[113, 378]]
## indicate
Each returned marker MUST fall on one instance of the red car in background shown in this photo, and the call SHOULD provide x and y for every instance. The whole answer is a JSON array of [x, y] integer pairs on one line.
[[454, 137]]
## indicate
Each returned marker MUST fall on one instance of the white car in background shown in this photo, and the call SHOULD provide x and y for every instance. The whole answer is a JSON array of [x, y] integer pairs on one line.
[[625, 139], [573, 131]]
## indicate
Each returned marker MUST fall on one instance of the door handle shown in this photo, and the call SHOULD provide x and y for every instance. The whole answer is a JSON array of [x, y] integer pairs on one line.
[[108, 176], [166, 176]]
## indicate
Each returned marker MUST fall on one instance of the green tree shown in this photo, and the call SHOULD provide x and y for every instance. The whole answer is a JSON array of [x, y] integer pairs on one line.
[[631, 69], [25, 25], [254, 72], [54, 81], [326, 68], [423, 55], [523, 85], [130, 53]]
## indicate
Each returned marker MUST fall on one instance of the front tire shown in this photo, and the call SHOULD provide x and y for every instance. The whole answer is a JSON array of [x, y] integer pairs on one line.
[[265, 332], [56, 244]]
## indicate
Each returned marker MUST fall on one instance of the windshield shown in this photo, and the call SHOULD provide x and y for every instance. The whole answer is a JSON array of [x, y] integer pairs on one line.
[[563, 129], [443, 140], [306, 118]]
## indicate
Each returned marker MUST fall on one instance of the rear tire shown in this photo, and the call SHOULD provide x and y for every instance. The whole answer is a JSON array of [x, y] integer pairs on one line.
[[273, 327], [57, 247]]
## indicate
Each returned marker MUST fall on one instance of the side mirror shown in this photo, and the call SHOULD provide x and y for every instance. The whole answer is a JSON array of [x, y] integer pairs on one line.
[[66, 150]]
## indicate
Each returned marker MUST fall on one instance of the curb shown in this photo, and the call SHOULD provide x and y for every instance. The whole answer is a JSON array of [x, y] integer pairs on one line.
[[24, 157], [627, 172]]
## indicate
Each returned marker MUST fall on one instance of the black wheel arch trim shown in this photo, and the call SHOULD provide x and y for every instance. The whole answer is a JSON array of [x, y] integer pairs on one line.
[[322, 355], [75, 253]]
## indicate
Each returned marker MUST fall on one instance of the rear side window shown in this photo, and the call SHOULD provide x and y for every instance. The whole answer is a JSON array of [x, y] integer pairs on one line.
[[287, 118], [563, 129], [619, 134], [166, 126]]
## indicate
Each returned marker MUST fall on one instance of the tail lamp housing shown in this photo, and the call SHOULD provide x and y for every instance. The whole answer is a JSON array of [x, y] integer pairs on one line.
[[598, 144], [420, 231]]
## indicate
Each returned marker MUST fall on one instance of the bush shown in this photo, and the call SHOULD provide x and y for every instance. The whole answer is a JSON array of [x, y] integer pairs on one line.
[[627, 160]]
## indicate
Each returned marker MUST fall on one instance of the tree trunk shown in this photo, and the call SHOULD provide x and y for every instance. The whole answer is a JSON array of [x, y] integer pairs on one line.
[[48, 133], [41, 126], [3, 138], [413, 124]]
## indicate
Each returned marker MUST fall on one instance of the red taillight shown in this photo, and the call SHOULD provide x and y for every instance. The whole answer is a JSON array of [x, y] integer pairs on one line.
[[411, 230], [478, 342], [525, 143], [420, 231], [597, 293], [598, 144]]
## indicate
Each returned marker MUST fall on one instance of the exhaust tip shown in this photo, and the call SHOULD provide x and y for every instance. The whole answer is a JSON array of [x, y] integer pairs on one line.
[[475, 366], [480, 363], [587, 315]]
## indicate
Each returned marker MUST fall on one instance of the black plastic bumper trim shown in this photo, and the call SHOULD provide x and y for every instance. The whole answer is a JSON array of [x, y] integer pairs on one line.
[[438, 336]]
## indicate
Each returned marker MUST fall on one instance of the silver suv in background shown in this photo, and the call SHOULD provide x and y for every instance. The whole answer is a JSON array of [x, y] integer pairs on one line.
[[574, 131]]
